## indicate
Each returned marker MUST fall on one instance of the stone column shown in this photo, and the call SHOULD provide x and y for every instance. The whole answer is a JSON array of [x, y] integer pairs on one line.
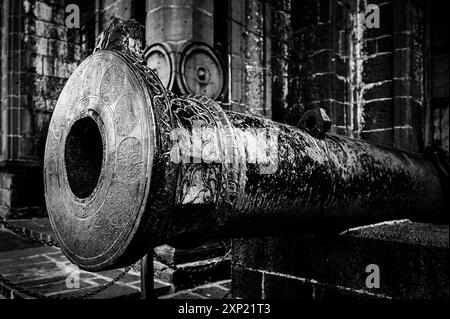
[[181, 38], [387, 79], [178, 20]]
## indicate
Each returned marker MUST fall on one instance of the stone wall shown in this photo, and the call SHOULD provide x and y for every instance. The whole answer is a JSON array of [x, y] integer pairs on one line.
[[370, 82], [412, 259], [387, 87], [249, 61], [39, 53]]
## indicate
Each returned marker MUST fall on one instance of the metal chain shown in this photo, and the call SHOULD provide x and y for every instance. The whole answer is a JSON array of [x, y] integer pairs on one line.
[[106, 286], [197, 270], [203, 268], [12, 286], [27, 235]]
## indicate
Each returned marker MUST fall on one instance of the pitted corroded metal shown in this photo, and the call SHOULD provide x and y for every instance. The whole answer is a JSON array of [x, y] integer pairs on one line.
[[218, 183], [338, 180], [200, 71], [149, 192]]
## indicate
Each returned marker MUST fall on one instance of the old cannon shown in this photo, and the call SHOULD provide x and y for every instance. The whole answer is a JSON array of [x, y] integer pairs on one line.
[[129, 165]]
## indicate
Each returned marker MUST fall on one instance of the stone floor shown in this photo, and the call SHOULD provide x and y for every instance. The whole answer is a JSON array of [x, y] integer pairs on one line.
[[45, 270], [215, 290]]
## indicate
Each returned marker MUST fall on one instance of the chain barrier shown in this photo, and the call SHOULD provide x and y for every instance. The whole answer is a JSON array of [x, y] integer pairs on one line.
[[29, 234], [202, 268], [13, 287]]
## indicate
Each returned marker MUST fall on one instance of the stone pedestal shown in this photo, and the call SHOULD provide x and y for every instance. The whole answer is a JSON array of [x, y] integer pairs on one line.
[[411, 258]]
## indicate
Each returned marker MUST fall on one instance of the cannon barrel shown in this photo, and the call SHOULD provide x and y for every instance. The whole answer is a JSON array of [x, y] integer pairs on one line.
[[128, 166]]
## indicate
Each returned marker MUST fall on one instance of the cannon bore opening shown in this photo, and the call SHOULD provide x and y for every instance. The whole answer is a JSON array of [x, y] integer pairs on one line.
[[83, 157]]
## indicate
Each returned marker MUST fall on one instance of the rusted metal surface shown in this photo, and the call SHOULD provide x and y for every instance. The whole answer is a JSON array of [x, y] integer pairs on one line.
[[181, 168], [200, 71], [161, 59]]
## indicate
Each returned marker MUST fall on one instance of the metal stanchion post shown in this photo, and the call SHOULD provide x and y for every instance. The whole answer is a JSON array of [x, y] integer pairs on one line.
[[147, 291]]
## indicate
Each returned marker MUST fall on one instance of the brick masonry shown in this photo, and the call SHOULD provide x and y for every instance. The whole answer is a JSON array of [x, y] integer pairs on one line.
[[412, 259], [41, 55], [248, 59], [387, 97]]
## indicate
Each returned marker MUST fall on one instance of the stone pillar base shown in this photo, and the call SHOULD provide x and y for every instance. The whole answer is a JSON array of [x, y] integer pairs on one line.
[[400, 260], [21, 192]]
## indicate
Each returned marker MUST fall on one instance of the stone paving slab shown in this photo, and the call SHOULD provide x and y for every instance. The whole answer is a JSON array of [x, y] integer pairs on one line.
[[45, 270], [215, 290]]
